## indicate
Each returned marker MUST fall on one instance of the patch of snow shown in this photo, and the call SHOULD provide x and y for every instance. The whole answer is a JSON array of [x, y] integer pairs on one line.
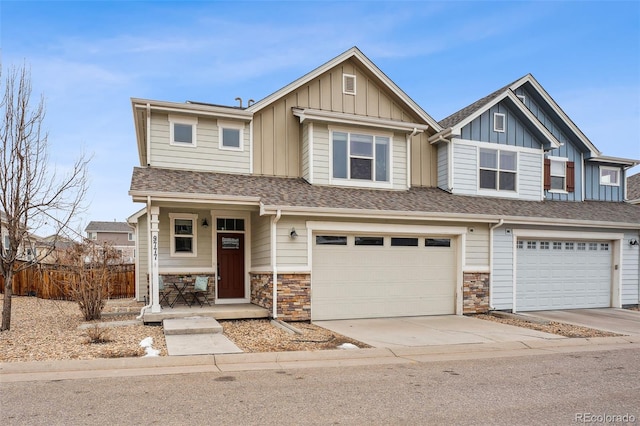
[[347, 346]]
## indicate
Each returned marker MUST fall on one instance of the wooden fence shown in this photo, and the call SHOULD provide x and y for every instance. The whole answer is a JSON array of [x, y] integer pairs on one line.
[[45, 280]]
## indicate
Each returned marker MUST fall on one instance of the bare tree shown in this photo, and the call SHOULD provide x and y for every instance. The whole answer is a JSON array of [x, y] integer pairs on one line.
[[31, 195]]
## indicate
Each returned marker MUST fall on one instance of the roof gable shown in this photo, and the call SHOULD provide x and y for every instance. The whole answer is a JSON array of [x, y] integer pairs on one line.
[[359, 59], [97, 226]]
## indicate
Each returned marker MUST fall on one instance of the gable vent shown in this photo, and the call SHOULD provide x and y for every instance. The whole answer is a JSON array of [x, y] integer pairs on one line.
[[348, 84]]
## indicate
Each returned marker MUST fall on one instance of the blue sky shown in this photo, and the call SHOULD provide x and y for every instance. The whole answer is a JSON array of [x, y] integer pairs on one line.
[[88, 58]]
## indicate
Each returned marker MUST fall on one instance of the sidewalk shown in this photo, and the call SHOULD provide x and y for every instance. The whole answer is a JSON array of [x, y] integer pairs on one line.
[[127, 367]]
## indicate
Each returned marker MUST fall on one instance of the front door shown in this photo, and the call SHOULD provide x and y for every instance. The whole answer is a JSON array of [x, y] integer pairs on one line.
[[230, 266]]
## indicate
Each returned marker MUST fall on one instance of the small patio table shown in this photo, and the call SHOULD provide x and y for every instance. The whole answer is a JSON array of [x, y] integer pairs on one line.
[[180, 288]]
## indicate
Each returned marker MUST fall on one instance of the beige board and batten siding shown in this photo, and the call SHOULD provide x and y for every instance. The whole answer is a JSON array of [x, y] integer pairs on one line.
[[205, 156], [277, 134], [630, 270]]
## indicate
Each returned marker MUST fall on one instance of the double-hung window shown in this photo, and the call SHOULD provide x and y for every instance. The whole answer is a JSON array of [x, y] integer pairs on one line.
[[558, 172], [498, 169], [361, 157], [182, 130], [183, 234]]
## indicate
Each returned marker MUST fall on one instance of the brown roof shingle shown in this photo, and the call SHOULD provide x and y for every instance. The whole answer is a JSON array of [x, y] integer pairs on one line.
[[633, 187], [296, 192]]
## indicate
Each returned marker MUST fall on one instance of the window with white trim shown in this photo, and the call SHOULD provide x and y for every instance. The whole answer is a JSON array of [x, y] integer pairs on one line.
[[498, 169], [499, 122], [558, 169], [609, 176], [361, 157], [230, 136], [182, 130], [130, 236], [183, 234]]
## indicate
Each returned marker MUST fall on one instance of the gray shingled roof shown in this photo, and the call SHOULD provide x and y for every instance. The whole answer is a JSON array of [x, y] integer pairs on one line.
[[465, 112], [97, 226], [633, 187], [296, 192]]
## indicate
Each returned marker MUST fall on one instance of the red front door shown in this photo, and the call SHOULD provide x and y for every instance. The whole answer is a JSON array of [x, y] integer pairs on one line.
[[230, 265]]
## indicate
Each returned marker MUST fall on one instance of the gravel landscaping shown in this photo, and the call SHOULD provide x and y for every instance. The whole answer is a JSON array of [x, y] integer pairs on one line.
[[54, 330]]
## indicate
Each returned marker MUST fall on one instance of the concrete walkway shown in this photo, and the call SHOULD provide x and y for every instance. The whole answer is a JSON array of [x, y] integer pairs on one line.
[[128, 367], [196, 336]]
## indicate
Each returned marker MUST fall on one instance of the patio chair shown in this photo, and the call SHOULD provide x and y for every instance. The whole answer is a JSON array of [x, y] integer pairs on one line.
[[163, 292], [201, 291]]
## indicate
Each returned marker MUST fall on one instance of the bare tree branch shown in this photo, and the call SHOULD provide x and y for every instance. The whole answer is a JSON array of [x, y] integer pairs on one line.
[[30, 193]]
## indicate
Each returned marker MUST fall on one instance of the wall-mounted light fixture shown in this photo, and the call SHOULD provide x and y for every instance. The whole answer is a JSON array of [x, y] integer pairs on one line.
[[633, 242], [205, 223], [293, 234]]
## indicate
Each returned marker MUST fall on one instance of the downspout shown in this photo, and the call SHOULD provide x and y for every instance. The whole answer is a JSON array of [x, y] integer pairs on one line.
[[144, 308], [148, 137], [412, 134], [274, 263], [500, 223]]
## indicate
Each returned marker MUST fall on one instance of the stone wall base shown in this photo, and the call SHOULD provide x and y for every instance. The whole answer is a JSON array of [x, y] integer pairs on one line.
[[475, 289], [294, 295]]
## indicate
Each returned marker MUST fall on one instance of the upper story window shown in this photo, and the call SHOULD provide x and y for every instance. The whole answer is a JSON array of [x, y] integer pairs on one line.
[[498, 169], [499, 122], [609, 176], [130, 236], [183, 234], [231, 135], [361, 157], [182, 130], [92, 235], [559, 174]]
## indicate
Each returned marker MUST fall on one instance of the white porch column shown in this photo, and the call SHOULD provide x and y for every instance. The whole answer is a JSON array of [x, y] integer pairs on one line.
[[155, 293]]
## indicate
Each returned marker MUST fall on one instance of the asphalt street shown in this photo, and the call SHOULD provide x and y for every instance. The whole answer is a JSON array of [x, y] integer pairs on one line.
[[555, 389]]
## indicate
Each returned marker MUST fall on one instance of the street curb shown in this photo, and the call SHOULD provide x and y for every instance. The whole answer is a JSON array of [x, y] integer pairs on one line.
[[119, 367]]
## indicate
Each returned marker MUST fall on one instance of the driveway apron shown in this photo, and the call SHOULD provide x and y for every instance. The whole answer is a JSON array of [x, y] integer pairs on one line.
[[621, 321]]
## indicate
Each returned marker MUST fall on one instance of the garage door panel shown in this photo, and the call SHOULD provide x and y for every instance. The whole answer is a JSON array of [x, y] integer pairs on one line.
[[561, 278], [382, 281]]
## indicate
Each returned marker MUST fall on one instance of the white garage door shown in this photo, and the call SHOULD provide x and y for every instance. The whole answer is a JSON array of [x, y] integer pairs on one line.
[[563, 275], [363, 276]]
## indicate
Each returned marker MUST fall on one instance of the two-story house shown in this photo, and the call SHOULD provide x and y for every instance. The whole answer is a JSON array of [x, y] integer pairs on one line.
[[119, 235], [358, 204]]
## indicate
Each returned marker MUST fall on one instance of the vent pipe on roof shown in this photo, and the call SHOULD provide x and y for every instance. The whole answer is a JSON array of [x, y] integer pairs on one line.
[[250, 102], [239, 100]]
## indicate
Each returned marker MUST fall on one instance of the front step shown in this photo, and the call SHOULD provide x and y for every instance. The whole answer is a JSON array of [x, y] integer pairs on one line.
[[191, 325]]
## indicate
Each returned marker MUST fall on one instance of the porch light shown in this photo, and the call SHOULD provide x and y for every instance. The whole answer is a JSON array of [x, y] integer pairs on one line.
[[293, 234], [633, 242], [205, 224]]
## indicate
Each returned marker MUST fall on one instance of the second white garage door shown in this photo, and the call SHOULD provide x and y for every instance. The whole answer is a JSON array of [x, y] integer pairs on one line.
[[563, 275], [362, 276]]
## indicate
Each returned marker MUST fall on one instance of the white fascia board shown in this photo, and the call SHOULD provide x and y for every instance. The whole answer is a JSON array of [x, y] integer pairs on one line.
[[197, 109], [141, 196], [137, 215], [384, 228], [439, 216], [627, 162], [508, 93], [354, 52], [549, 100], [314, 115], [442, 136]]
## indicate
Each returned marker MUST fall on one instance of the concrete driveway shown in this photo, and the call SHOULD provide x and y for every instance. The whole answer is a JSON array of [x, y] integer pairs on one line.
[[432, 330], [621, 321]]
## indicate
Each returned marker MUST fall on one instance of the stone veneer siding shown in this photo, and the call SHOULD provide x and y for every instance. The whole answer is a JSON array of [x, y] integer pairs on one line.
[[475, 290], [294, 295]]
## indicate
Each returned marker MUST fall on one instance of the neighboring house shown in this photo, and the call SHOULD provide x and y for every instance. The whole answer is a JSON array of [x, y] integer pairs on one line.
[[119, 235], [633, 189], [30, 249], [345, 192]]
